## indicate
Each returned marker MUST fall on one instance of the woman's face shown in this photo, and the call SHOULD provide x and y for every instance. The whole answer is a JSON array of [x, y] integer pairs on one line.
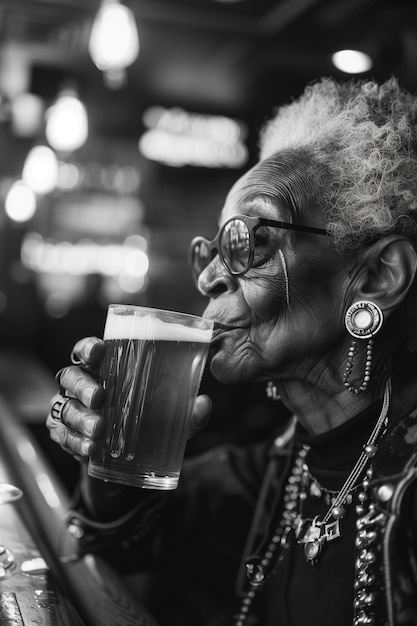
[[279, 319]]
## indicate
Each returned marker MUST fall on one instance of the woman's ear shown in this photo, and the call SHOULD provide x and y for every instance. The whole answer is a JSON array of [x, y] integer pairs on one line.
[[391, 269]]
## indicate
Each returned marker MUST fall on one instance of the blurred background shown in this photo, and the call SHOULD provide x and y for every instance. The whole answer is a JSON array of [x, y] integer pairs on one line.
[[122, 126]]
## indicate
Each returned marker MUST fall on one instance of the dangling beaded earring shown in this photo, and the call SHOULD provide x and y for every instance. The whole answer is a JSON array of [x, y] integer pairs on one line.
[[272, 391], [363, 320]]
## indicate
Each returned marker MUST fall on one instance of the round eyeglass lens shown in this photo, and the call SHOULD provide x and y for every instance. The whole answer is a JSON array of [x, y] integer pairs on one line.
[[235, 245]]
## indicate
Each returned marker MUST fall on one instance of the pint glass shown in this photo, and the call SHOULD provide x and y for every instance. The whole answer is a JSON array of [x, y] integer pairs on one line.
[[151, 371]]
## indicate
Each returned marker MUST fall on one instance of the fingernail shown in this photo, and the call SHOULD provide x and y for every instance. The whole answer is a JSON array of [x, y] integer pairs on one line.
[[88, 394], [90, 426], [97, 398], [85, 447]]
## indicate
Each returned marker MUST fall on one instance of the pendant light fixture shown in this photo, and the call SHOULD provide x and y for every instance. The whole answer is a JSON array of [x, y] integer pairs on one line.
[[352, 61], [114, 41], [66, 122], [40, 169]]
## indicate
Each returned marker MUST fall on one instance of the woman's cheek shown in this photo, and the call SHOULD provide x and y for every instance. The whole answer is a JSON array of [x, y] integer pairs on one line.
[[265, 296]]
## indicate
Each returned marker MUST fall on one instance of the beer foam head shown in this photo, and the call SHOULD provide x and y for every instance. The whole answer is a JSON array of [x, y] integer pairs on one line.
[[150, 327]]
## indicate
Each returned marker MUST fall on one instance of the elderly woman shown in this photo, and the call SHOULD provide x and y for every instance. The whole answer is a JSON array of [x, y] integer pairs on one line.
[[311, 283]]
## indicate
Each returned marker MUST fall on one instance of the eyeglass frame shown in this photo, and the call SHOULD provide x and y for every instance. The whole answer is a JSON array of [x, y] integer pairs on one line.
[[248, 220]]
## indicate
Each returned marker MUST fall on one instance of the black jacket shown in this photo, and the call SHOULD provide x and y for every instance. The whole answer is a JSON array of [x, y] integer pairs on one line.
[[195, 540]]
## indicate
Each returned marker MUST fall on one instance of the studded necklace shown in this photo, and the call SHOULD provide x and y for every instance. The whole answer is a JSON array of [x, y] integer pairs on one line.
[[314, 533], [309, 531], [321, 531], [316, 489]]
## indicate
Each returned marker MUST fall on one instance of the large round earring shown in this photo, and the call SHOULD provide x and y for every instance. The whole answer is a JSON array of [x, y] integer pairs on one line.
[[363, 320]]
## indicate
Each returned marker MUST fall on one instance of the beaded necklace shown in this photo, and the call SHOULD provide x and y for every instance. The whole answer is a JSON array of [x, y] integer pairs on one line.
[[315, 533]]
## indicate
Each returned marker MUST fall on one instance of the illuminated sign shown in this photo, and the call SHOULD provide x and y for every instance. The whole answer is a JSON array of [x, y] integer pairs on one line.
[[178, 138], [85, 256]]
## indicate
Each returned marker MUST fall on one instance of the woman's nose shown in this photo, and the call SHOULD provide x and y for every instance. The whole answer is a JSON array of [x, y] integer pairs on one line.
[[215, 280]]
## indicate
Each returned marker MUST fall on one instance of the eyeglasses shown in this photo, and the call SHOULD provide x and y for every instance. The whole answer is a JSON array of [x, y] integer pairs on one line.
[[235, 243]]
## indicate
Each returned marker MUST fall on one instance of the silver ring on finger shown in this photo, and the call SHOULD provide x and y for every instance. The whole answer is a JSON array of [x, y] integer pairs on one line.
[[75, 360], [57, 407], [80, 363]]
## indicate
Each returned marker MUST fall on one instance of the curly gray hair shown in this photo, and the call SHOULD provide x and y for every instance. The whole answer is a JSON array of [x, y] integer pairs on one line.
[[361, 139]]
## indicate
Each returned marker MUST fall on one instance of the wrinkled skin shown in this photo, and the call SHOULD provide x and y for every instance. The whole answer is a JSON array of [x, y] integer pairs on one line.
[[282, 320], [273, 332]]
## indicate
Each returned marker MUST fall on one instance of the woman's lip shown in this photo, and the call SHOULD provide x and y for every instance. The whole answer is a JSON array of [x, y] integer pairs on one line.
[[220, 327]]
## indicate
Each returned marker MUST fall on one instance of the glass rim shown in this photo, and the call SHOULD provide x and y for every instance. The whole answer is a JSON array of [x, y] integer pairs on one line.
[[136, 308]]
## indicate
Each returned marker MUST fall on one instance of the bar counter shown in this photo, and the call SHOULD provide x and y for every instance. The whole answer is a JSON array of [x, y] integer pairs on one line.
[[42, 581]]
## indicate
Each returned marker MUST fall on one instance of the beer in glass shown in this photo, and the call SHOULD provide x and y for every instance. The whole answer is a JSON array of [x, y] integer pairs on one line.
[[151, 372]]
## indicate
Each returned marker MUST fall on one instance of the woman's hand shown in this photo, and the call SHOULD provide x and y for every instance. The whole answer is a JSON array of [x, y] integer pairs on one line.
[[80, 396]]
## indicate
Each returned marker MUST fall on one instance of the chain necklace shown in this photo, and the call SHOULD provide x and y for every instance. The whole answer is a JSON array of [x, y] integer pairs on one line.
[[316, 489], [316, 533], [307, 529]]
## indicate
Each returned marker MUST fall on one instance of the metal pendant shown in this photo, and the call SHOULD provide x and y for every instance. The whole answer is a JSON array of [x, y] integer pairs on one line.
[[310, 537], [312, 550], [314, 538], [332, 530], [308, 530]]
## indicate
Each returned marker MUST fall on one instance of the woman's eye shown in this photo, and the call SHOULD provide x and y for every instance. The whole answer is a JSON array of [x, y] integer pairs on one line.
[[261, 237], [262, 247]]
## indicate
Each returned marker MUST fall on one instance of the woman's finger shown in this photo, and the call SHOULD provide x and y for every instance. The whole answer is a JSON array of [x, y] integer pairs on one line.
[[88, 352], [74, 381], [73, 426], [71, 442], [201, 414]]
